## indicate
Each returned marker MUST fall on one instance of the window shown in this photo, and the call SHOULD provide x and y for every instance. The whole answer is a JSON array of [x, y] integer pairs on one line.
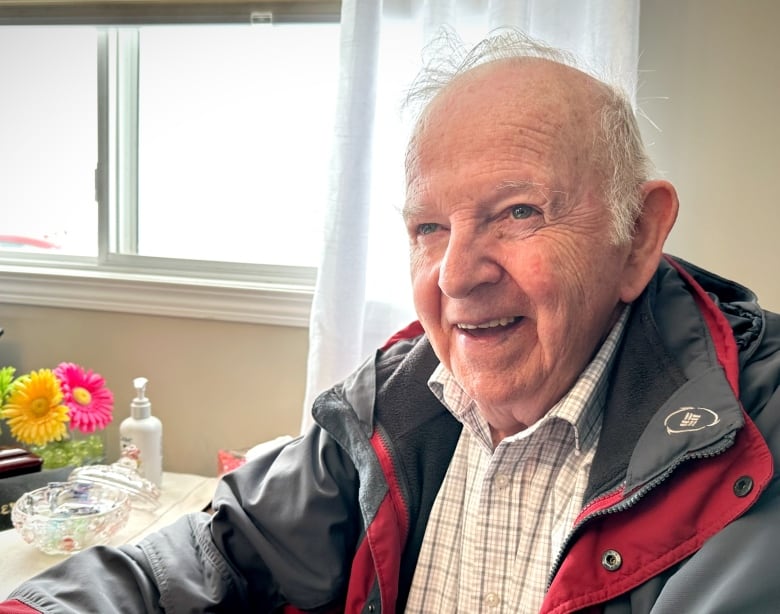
[[48, 139], [167, 162]]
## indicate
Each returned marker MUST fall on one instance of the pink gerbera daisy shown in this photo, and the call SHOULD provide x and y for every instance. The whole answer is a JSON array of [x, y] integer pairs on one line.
[[84, 392]]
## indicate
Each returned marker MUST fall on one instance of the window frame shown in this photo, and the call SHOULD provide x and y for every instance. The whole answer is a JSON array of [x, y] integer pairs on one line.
[[265, 294], [148, 12]]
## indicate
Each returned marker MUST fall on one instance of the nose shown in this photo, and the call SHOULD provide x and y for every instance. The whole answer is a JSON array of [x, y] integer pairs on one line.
[[467, 264]]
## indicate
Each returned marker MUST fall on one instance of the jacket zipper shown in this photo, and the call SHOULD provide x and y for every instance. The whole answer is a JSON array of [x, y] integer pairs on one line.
[[714, 450]]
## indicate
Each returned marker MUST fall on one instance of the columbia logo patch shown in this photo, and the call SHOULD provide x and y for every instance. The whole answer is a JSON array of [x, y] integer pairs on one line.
[[689, 419]]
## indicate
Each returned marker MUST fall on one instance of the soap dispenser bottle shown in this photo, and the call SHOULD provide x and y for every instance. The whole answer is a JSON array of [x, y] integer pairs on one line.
[[144, 431]]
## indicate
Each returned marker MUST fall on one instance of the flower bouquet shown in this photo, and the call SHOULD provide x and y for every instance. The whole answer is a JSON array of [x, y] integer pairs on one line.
[[57, 412]]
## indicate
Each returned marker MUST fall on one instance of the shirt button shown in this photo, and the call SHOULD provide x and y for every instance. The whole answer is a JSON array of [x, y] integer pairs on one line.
[[502, 481], [492, 600]]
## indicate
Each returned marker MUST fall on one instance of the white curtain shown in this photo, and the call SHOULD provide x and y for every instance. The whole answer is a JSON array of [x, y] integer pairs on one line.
[[363, 293]]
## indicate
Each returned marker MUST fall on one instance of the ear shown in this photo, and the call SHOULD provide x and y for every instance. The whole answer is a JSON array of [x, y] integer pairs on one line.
[[659, 212]]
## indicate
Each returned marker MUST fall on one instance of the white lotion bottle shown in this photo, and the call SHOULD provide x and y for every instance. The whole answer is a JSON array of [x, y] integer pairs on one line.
[[144, 431]]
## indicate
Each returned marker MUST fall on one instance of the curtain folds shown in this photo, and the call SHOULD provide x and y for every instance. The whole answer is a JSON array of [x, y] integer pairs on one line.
[[363, 293]]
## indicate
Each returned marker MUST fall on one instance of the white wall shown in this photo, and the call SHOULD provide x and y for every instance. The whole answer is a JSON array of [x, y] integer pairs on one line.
[[710, 80]]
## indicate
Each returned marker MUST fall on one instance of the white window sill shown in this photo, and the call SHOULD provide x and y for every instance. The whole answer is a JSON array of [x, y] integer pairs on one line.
[[281, 304]]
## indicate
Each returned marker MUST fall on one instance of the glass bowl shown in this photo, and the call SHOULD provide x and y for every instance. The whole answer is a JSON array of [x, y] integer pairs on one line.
[[65, 517], [123, 475]]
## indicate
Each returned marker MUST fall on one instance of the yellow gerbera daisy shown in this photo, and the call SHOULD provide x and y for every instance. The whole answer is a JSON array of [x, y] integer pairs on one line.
[[34, 410]]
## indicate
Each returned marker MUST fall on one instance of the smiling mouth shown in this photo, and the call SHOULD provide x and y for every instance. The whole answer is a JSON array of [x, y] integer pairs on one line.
[[499, 323]]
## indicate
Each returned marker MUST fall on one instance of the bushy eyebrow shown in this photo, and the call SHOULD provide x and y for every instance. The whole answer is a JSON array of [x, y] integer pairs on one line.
[[412, 211], [555, 199], [512, 186]]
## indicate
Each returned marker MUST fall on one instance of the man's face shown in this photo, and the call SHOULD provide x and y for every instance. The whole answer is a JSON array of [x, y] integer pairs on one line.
[[515, 279]]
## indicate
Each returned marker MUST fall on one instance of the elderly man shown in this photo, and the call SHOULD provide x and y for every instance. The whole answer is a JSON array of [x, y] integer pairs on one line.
[[577, 423]]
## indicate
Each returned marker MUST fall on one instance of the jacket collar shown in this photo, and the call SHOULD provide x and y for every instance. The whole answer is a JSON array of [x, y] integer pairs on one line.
[[668, 396]]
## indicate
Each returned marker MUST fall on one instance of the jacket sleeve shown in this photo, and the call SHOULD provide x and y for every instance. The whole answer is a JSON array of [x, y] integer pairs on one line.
[[135, 578], [282, 532]]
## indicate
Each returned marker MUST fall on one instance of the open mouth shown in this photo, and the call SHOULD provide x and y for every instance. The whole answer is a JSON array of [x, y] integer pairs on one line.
[[497, 325]]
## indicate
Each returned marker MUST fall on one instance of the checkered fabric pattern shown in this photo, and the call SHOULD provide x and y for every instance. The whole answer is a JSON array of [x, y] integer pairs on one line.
[[502, 515]]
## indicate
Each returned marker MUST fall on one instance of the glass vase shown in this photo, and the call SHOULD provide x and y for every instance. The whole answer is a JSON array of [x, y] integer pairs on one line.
[[72, 451]]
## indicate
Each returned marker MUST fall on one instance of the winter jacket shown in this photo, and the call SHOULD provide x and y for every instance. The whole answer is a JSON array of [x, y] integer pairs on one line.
[[682, 511]]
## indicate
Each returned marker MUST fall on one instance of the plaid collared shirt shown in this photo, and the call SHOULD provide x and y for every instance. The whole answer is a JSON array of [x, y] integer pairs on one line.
[[502, 515]]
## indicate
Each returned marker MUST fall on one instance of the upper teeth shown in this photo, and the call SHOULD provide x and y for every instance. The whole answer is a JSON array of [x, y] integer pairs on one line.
[[491, 324]]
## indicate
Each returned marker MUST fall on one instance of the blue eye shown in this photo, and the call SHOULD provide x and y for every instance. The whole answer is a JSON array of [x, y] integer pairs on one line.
[[427, 228], [522, 212]]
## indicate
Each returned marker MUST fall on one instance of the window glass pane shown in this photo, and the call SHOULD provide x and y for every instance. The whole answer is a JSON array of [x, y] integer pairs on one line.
[[235, 138], [48, 139]]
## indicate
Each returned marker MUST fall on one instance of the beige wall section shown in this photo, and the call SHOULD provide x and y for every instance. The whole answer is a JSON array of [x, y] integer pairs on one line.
[[710, 80], [213, 384]]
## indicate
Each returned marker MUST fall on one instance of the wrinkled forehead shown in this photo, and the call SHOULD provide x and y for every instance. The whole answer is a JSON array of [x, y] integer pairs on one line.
[[516, 94]]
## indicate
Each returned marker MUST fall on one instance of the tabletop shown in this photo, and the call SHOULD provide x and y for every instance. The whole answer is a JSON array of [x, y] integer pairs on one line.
[[180, 494]]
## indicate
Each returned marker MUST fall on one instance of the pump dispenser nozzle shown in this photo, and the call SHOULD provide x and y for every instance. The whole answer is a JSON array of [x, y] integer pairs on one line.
[[140, 387], [140, 407]]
